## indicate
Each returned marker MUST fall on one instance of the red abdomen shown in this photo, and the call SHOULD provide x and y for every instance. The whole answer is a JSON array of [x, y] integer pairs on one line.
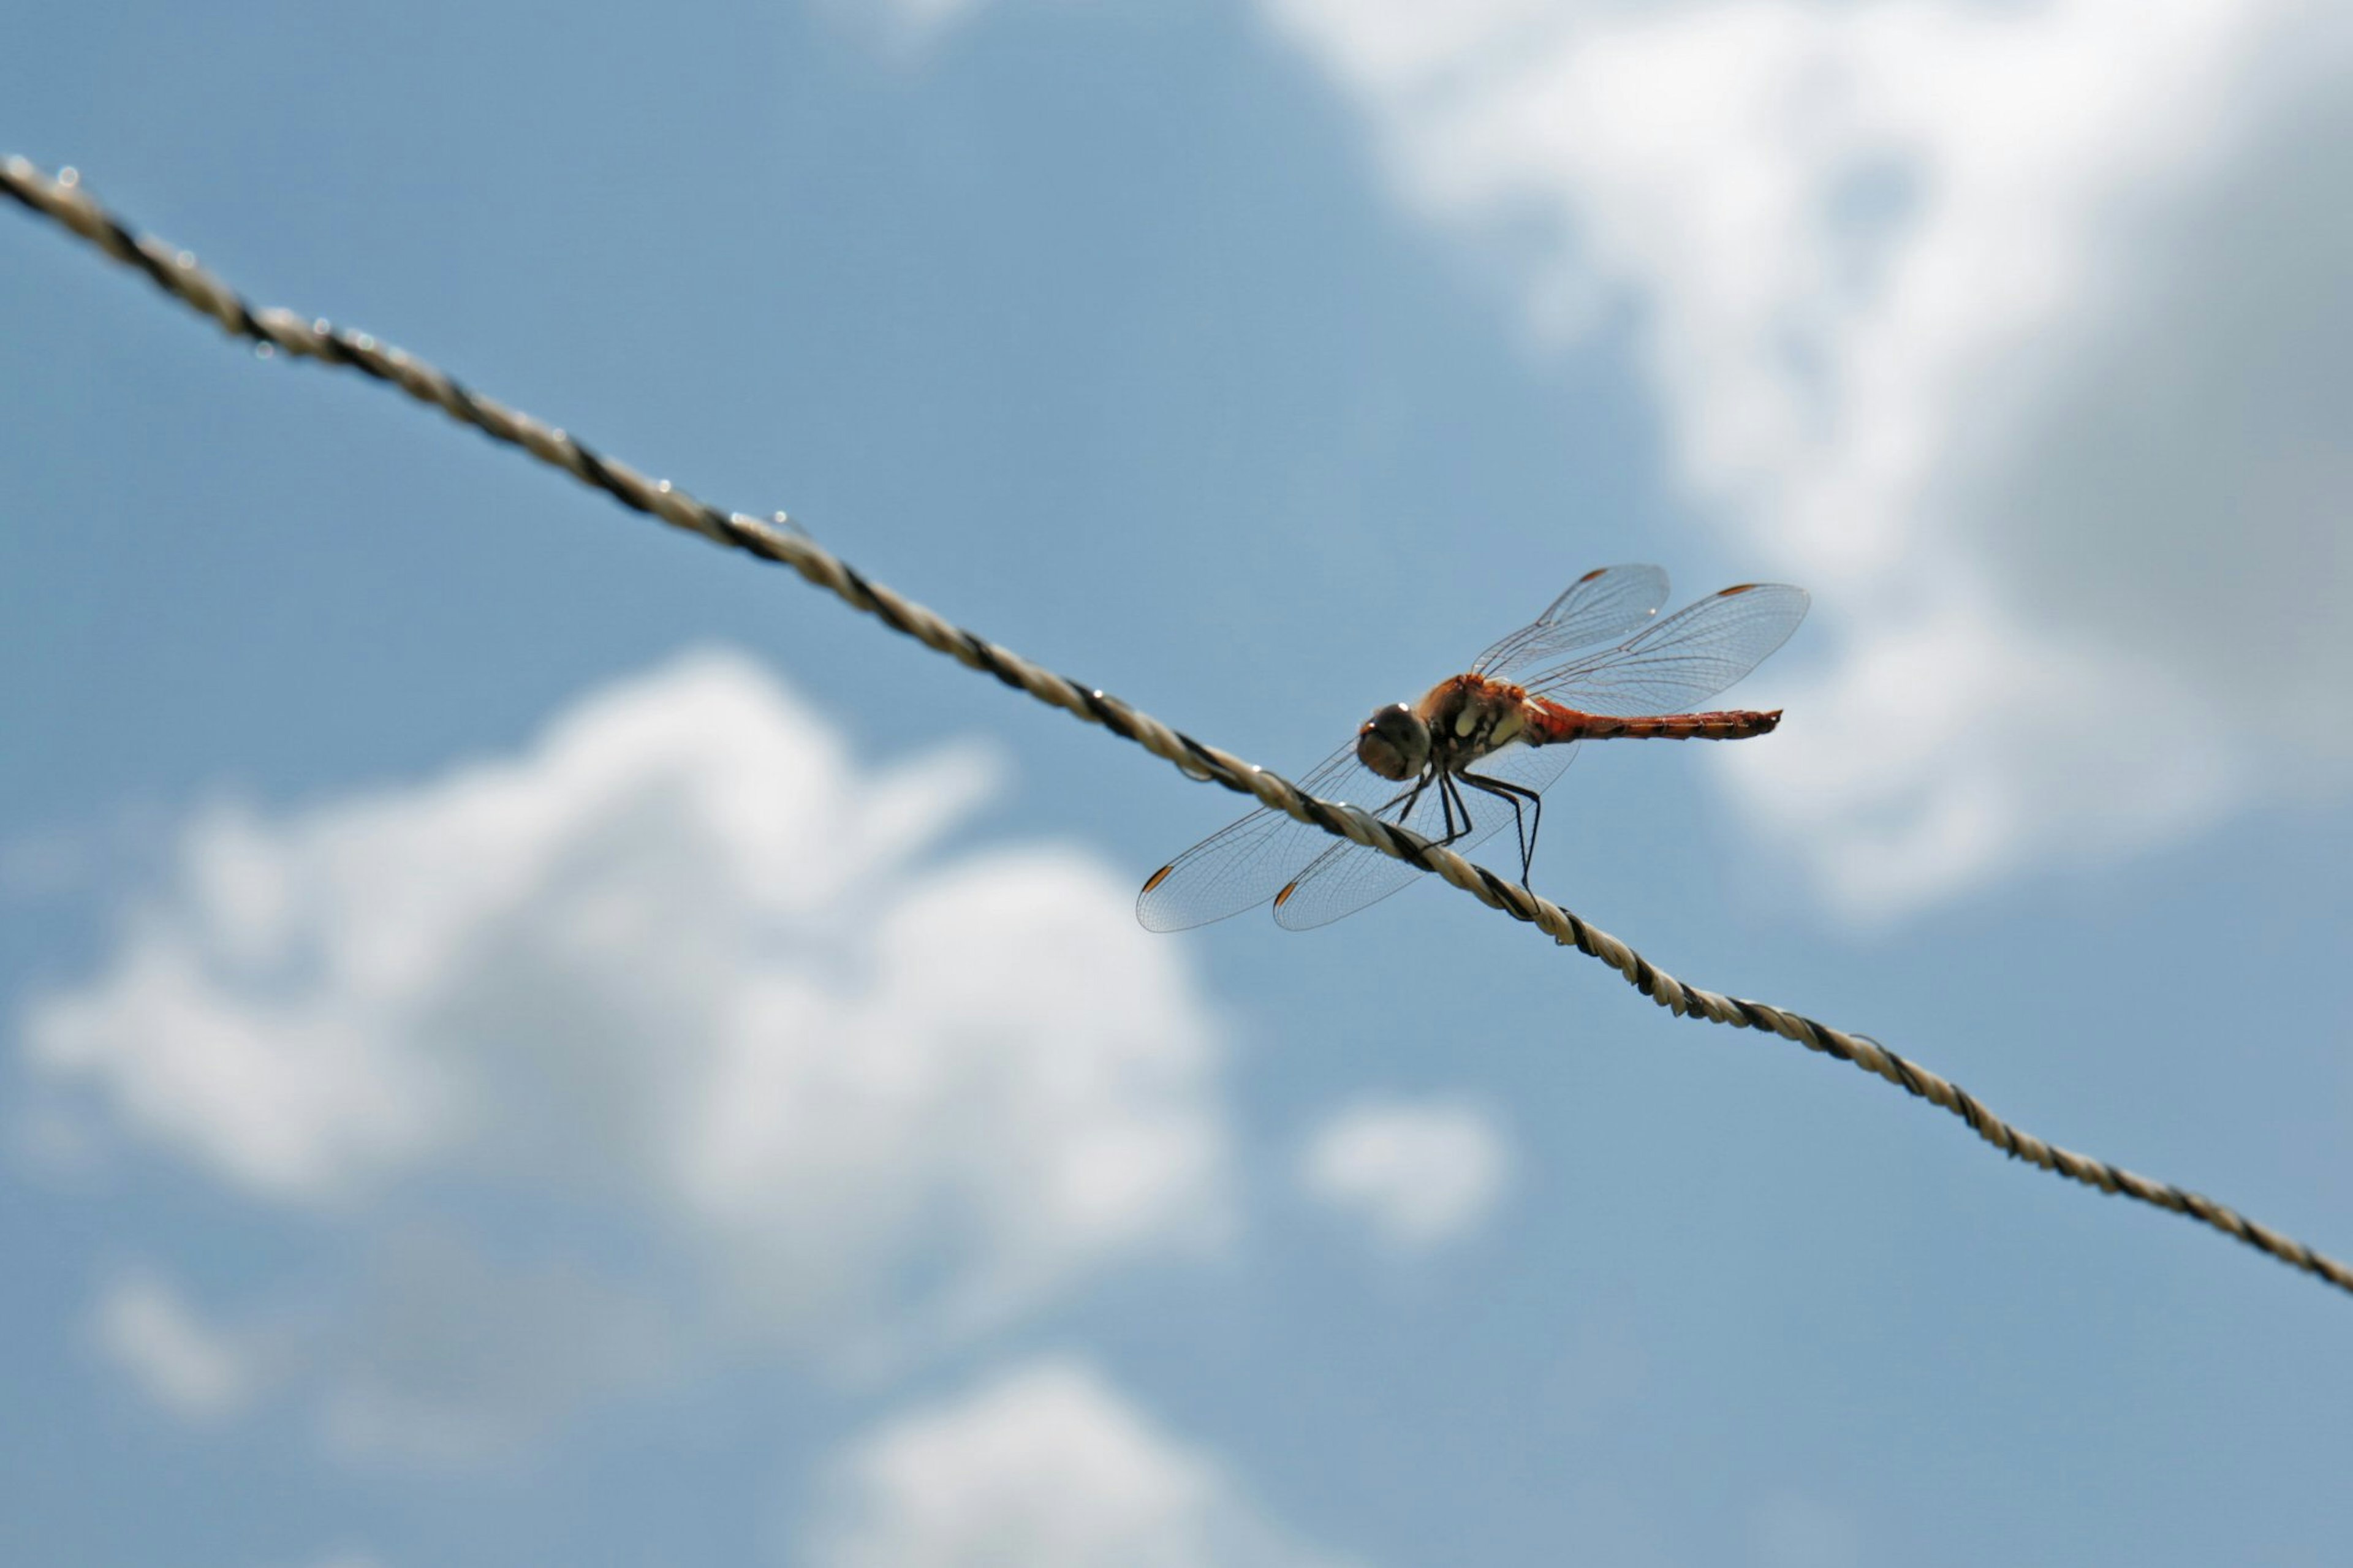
[[1559, 724]]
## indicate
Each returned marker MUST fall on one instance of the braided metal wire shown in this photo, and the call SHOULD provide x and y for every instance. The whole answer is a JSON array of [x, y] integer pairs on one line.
[[63, 199]]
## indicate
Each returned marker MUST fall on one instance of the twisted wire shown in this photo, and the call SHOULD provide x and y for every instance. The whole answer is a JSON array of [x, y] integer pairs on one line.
[[63, 200]]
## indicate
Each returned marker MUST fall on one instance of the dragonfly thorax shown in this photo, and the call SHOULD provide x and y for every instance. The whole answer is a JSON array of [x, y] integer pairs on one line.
[[1457, 722]]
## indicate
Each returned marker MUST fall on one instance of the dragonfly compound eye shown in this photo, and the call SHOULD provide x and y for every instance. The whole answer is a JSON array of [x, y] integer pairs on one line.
[[1394, 744]]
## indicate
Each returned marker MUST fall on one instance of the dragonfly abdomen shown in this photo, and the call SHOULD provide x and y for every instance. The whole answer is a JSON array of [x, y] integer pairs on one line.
[[1564, 725]]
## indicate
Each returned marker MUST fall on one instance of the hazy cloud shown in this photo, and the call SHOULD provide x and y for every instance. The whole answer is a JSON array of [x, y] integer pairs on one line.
[[439, 1351], [1792, 1531], [183, 1363], [902, 26]]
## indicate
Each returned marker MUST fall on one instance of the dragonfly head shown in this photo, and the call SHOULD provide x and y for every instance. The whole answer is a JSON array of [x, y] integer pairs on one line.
[[1394, 744]]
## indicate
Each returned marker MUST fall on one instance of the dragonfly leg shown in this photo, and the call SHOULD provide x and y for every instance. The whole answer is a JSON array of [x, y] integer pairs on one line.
[[1407, 796], [1525, 828], [1458, 823]]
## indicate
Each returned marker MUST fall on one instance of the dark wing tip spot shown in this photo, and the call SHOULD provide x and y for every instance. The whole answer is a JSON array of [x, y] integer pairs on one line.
[[1738, 588], [1159, 877], [1283, 897], [1589, 577]]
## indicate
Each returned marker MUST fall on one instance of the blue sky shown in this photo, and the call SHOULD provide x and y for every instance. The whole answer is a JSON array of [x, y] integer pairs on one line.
[[530, 1038]]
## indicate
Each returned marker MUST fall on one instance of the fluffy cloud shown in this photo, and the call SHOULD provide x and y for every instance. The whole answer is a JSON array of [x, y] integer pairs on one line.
[[1417, 1173], [678, 975], [2016, 331], [1047, 1466]]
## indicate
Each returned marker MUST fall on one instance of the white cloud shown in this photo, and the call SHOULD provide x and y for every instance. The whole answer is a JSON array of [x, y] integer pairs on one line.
[[1416, 1174], [1044, 1467], [678, 968], [2017, 331], [186, 1365]]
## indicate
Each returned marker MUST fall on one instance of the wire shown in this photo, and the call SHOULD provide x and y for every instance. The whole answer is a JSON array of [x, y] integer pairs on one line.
[[63, 200]]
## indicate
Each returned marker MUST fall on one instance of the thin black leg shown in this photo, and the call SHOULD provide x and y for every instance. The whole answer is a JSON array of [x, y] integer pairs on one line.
[[1409, 797], [1525, 828], [1510, 796]]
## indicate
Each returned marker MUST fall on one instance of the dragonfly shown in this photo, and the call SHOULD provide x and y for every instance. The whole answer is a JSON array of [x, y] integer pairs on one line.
[[1476, 751]]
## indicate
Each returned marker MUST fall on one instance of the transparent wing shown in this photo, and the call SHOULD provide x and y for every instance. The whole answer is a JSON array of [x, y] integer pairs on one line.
[[1604, 605], [1674, 665], [1247, 862], [1348, 876]]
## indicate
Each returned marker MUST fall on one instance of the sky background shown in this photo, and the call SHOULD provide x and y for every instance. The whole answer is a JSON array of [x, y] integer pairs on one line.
[[530, 1038]]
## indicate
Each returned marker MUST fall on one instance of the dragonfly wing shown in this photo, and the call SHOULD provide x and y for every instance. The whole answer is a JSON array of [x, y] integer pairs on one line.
[[1348, 876], [1604, 605], [1247, 862], [1674, 665]]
